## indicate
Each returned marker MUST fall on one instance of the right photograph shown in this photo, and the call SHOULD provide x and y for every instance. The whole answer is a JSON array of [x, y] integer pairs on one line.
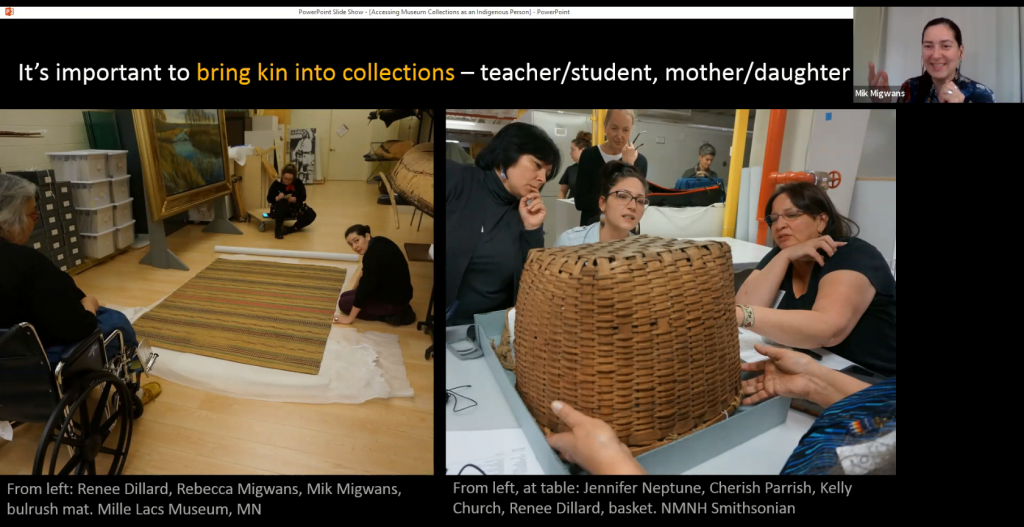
[[938, 54], [670, 291]]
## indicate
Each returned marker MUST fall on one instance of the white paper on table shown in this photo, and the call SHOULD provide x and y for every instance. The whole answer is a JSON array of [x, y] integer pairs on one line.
[[512, 327], [495, 452], [749, 339], [6, 431]]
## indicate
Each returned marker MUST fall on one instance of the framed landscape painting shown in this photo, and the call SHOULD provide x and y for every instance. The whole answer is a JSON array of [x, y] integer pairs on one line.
[[184, 156]]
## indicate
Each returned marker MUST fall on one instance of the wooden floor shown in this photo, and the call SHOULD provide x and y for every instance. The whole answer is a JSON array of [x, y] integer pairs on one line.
[[187, 431]]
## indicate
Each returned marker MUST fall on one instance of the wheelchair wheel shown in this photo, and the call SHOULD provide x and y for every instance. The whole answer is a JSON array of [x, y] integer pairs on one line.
[[137, 407], [82, 425]]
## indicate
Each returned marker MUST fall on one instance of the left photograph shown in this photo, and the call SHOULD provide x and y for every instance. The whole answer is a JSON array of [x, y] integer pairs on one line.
[[196, 292]]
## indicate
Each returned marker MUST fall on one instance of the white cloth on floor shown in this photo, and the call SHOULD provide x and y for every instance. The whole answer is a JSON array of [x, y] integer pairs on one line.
[[6, 431], [356, 366]]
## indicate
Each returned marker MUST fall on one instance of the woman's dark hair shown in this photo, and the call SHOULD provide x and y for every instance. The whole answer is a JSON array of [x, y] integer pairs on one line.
[[615, 171], [583, 140], [361, 230], [516, 140], [813, 200], [925, 85], [289, 169]]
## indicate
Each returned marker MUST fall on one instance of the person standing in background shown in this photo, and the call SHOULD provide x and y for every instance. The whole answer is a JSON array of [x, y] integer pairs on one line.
[[618, 126], [568, 182]]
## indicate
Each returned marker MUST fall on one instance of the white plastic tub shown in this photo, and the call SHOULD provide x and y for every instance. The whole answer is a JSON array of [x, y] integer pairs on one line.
[[63, 167], [117, 162], [90, 194], [119, 189], [123, 212], [92, 164], [98, 245], [125, 235], [92, 221]]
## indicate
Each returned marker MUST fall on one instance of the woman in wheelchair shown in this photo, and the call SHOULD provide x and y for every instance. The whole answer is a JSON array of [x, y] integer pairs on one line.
[[35, 291], [287, 199]]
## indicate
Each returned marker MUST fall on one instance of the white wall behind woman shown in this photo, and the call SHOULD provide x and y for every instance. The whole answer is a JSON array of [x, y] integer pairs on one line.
[[65, 131], [991, 38], [874, 201]]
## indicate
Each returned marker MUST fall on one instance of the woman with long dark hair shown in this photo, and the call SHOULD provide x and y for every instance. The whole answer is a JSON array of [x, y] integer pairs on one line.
[[384, 286], [821, 286], [942, 53], [622, 204]]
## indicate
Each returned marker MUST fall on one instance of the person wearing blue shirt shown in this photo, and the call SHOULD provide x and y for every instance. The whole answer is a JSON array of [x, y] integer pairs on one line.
[[622, 205]]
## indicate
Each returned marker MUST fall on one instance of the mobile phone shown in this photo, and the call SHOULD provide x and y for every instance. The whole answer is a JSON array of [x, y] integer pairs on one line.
[[265, 215]]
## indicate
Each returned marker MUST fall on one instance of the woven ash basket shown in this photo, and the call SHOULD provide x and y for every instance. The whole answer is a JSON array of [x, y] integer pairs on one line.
[[640, 333]]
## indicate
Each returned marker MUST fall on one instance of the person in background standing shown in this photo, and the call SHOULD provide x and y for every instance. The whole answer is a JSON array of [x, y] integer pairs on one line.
[[618, 126], [568, 181]]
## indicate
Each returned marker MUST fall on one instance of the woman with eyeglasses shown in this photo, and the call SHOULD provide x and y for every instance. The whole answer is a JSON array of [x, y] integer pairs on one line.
[[622, 205], [36, 291], [821, 286], [618, 126]]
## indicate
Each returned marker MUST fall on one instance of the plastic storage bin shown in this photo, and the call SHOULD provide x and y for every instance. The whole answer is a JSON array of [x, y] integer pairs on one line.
[[123, 212], [117, 163], [90, 194], [99, 245], [92, 165], [125, 235], [119, 189], [63, 167], [92, 221]]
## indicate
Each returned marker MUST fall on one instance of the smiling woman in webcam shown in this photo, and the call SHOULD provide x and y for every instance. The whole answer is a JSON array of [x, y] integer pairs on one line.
[[494, 214], [821, 286], [942, 53], [622, 206]]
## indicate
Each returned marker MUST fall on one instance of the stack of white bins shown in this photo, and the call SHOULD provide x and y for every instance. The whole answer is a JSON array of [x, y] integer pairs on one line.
[[103, 204]]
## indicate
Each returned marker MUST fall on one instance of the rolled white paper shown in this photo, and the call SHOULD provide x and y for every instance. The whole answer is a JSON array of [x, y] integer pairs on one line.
[[287, 254]]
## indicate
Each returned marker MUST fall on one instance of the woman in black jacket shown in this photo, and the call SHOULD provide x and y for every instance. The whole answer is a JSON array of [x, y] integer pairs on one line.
[[287, 198], [618, 125], [383, 288], [494, 214], [33, 290]]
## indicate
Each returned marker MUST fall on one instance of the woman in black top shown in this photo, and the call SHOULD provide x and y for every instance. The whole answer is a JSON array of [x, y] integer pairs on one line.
[[494, 214], [821, 287], [383, 288], [287, 198], [618, 125], [568, 181], [35, 291]]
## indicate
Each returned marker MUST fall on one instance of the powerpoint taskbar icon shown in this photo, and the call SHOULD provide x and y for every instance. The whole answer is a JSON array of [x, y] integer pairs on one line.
[[9, 11]]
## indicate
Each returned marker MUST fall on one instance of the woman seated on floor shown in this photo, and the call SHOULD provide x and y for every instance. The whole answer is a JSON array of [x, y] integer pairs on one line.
[[287, 198], [622, 203], [383, 287], [35, 291], [821, 286], [855, 435]]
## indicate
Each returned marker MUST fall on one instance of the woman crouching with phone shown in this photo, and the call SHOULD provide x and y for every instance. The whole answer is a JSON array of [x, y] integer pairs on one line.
[[287, 198]]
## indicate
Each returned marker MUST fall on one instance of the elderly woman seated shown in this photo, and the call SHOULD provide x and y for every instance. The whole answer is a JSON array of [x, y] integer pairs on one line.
[[35, 291]]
